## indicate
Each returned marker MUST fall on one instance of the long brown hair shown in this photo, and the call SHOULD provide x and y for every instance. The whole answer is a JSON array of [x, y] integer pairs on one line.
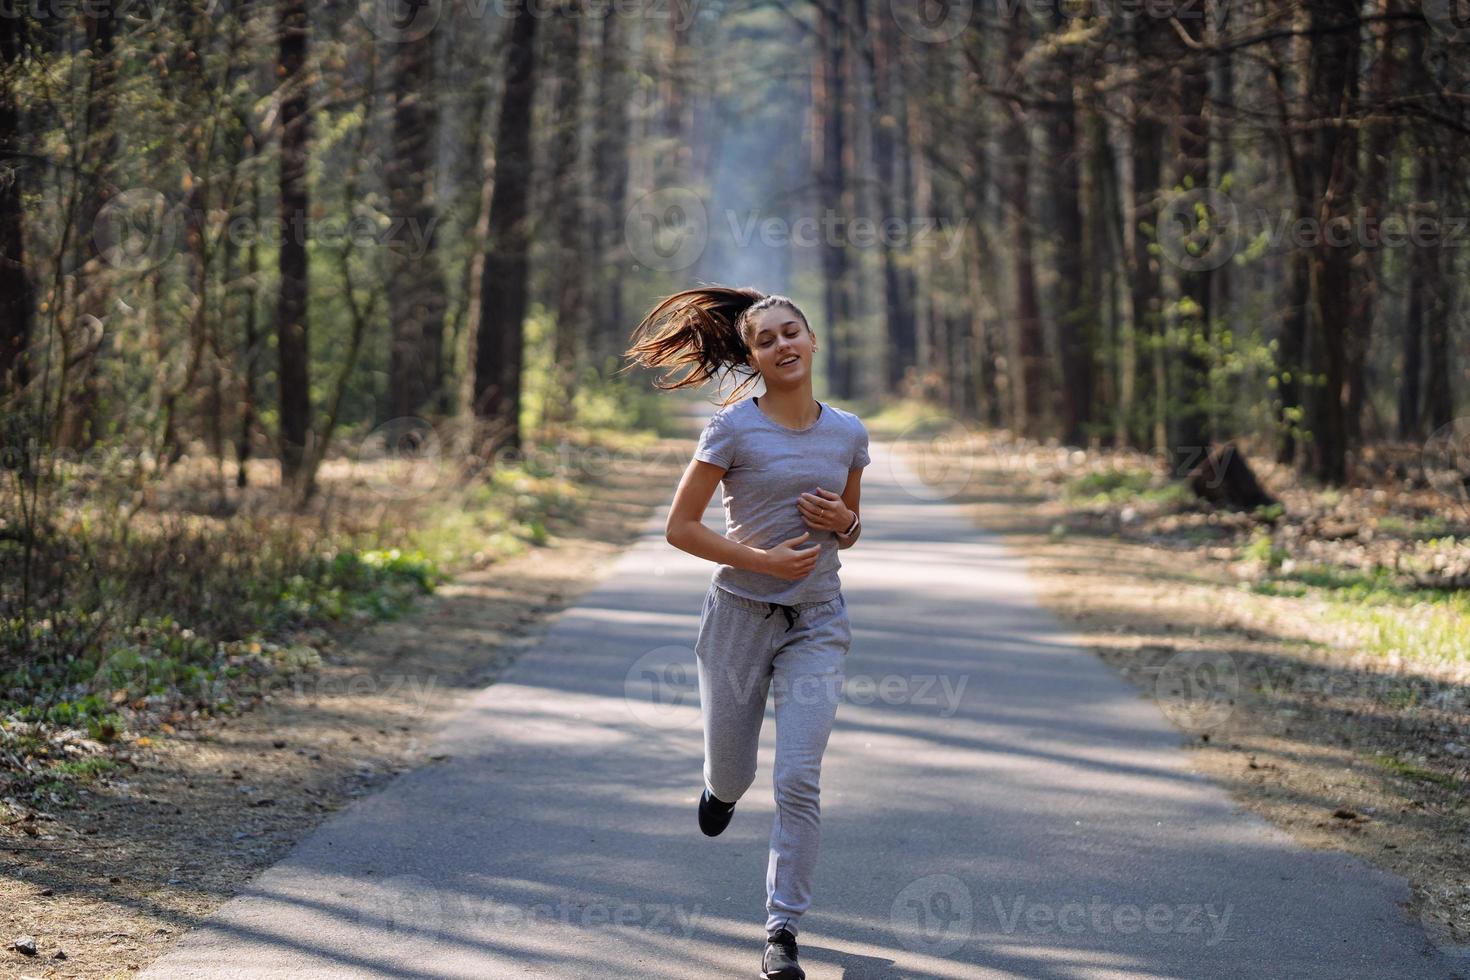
[[704, 329]]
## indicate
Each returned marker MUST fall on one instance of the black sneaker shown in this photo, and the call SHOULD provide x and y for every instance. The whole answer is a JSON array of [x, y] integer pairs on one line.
[[714, 814], [779, 963]]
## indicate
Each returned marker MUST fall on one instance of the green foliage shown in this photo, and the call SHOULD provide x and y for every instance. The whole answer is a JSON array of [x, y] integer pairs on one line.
[[366, 585], [85, 769], [1109, 486], [155, 660], [1429, 529], [1119, 486], [1269, 513], [1394, 616], [1261, 548], [1410, 771]]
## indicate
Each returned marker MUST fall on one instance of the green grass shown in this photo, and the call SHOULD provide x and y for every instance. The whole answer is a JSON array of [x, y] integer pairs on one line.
[[192, 614], [1410, 771], [1110, 488], [1262, 548], [1391, 614], [364, 586], [85, 769], [911, 418], [1420, 529], [156, 656]]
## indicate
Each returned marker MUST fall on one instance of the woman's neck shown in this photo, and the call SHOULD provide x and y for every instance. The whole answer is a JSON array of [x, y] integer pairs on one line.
[[795, 409]]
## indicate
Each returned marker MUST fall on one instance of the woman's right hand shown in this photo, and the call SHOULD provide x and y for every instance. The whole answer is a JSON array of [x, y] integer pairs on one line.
[[785, 561]]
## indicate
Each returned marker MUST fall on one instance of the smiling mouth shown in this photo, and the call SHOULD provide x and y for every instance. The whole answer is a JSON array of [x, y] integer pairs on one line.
[[791, 360]]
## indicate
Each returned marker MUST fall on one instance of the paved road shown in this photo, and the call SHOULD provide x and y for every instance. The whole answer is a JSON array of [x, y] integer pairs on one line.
[[996, 803]]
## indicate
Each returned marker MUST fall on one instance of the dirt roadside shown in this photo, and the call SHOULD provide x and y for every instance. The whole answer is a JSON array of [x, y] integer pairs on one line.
[[106, 886], [1280, 703]]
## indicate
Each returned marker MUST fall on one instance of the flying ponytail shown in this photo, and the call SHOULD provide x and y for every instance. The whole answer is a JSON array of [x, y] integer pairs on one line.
[[703, 329]]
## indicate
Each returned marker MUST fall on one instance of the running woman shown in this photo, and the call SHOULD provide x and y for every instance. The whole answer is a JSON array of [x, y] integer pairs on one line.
[[791, 468]]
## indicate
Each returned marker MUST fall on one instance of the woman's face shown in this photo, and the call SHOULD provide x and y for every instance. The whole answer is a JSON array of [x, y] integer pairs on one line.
[[777, 335]]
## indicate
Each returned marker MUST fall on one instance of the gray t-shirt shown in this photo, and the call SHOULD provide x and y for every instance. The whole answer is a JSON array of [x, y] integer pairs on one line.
[[767, 468]]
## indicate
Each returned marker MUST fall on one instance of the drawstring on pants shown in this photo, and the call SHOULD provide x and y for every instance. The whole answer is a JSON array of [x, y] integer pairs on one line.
[[790, 612]]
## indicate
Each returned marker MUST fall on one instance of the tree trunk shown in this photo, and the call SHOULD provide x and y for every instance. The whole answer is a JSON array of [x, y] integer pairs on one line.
[[1016, 143], [1445, 284], [829, 96], [416, 293], [1367, 273], [566, 181], [89, 328], [1304, 182], [1145, 351], [291, 307], [1189, 407], [1334, 73], [879, 52], [1074, 307], [610, 178], [17, 297], [253, 350], [500, 344], [1422, 307], [1102, 227]]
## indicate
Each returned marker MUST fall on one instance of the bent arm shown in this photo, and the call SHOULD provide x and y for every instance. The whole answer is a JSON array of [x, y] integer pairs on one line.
[[685, 530], [851, 496]]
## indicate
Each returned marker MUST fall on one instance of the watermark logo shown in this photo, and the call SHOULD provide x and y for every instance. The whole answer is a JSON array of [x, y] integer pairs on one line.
[[661, 689], [1102, 918], [1450, 19], [400, 21], [577, 912], [136, 231], [933, 458], [667, 230], [410, 450], [1199, 229], [139, 229], [933, 915], [932, 21], [1446, 458], [1197, 689], [836, 230], [406, 908]]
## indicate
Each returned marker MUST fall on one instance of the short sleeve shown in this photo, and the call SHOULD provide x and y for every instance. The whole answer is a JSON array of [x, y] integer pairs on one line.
[[860, 456], [717, 441]]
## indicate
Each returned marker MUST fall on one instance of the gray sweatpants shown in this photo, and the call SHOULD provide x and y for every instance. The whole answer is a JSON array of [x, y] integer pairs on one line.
[[747, 650]]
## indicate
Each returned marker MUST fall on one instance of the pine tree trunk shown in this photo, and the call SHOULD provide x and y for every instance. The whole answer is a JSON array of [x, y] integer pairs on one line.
[[291, 308], [1146, 144], [1074, 307], [1189, 438], [570, 250], [610, 179], [17, 297], [416, 294], [1016, 143], [1334, 72], [500, 345]]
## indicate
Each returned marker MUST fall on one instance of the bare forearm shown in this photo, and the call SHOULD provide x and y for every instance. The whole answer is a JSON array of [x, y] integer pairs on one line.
[[704, 542], [847, 541]]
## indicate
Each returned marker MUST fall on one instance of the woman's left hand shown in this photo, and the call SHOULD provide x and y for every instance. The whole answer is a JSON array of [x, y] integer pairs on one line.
[[824, 511]]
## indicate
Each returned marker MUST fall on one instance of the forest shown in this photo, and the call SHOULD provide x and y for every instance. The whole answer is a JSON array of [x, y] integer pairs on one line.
[[257, 230], [248, 246], [308, 309]]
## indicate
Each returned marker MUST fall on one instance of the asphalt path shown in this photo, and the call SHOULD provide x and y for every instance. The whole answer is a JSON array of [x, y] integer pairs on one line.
[[996, 802]]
